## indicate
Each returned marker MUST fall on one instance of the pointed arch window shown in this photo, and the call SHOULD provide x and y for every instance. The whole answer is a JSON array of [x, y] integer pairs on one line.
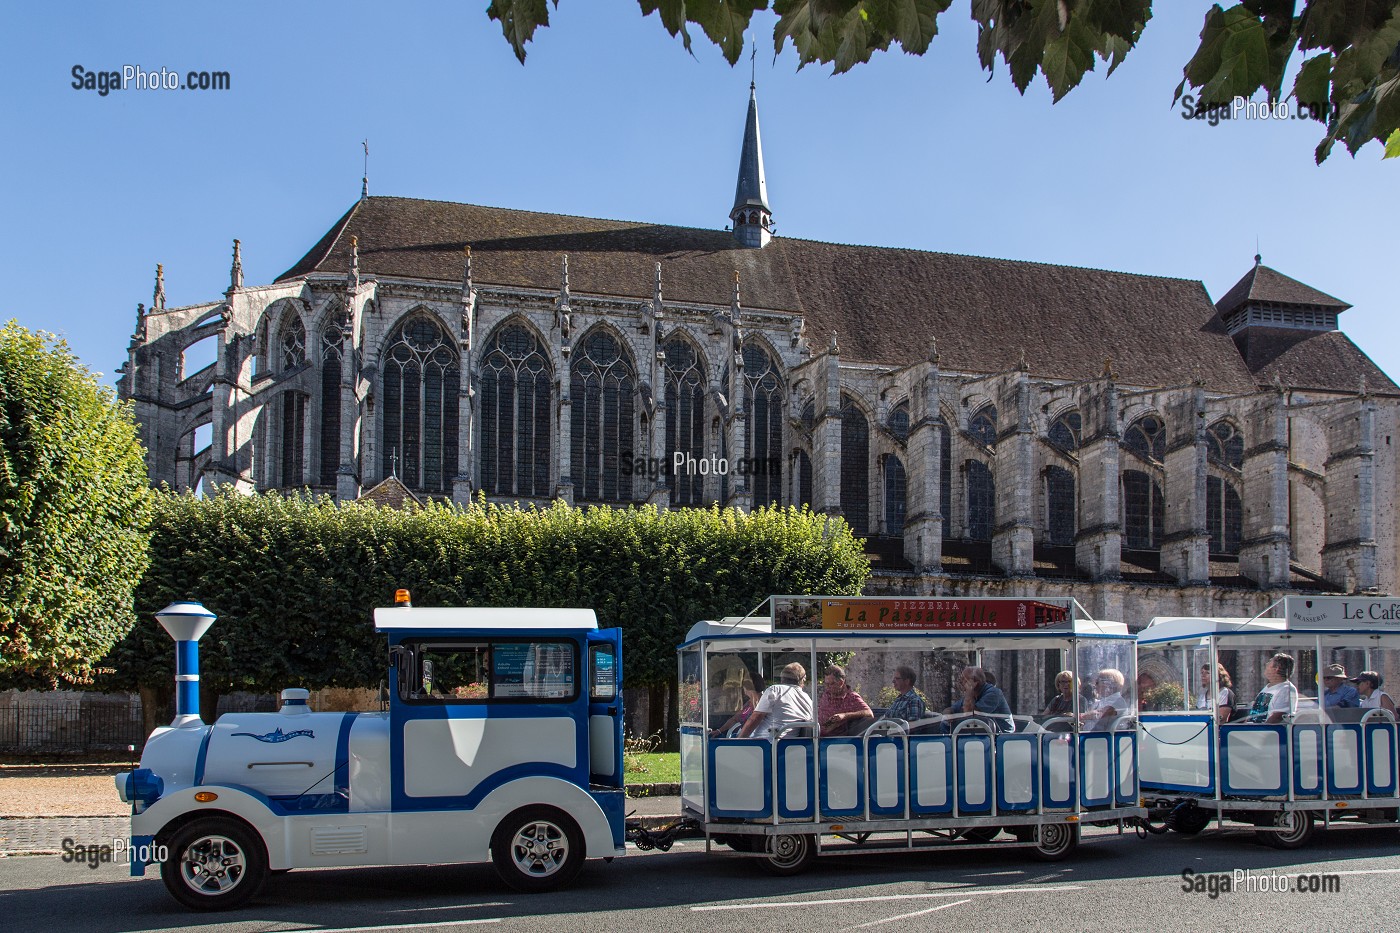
[[516, 388], [421, 377], [1059, 505], [1144, 511], [855, 466], [330, 403], [763, 424], [896, 489], [1147, 438], [983, 426], [1225, 445], [293, 342], [293, 434], [945, 478], [981, 501], [1224, 516], [899, 422], [685, 418], [1066, 433], [603, 387]]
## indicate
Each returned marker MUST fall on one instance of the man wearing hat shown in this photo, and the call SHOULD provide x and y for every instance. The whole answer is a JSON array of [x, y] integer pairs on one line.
[[1368, 683], [1338, 694]]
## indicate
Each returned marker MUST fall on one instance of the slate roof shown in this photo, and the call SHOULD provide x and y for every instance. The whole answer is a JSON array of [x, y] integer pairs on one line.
[[1264, 284], [1310, 359], [884, 303]]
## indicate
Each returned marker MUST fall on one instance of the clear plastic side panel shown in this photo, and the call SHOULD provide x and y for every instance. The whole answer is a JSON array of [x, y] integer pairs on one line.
[[1178, 701], [1278, 739], [692, 738]]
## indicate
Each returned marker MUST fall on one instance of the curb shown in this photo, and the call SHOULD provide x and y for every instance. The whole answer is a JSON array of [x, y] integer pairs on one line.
[[653, 790]]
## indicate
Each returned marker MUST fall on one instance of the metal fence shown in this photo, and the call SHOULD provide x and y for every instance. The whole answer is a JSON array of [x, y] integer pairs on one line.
[[96, 724]]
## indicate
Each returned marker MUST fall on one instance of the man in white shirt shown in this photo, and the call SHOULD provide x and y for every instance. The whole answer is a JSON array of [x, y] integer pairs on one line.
[[781, 705], [1279, 698]]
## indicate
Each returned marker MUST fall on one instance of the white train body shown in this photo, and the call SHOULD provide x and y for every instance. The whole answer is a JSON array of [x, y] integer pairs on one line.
[[496, 717]]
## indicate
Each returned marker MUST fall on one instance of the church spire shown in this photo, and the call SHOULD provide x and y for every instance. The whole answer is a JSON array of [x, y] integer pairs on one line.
[[752, 217]]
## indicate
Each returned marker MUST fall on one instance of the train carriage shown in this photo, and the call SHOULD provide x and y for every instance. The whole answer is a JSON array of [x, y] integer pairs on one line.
[[911, 775], [1282, 771]]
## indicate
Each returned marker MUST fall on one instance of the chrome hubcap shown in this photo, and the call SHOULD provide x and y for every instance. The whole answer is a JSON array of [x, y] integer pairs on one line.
[[212, 865], [539, 849]]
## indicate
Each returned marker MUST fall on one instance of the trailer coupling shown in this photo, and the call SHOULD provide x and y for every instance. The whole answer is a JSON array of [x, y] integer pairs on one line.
[[661, 837]]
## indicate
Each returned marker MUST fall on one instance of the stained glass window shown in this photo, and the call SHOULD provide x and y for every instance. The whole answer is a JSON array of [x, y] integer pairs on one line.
[[981, 501], [603, 387], [1147, 437], [1225, 445], [685, 418], [330, 404], [1224, 516], [895, 491], [419, 402], [1059, 505], [983, 426], [515, 414], [804, 478], [855, 466], [764, 425], [1144, 511], [293, 434], [293, 342], [899, 421], [1065, 433]]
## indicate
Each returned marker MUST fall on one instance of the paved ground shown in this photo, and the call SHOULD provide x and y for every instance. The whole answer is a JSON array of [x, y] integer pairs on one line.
[[1116, 884]]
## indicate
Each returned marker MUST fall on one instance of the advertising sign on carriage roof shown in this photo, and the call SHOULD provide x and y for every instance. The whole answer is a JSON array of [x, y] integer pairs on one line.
[[864, 613], [1342, 612]]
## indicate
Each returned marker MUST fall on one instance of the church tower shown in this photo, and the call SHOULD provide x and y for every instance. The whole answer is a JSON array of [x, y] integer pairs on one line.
[[753, 218]]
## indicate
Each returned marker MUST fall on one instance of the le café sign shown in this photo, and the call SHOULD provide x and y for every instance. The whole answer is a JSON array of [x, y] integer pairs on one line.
[[1342, 612]]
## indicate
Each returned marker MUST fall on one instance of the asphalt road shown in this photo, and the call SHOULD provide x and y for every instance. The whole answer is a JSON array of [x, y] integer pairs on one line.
[[1115, 883]]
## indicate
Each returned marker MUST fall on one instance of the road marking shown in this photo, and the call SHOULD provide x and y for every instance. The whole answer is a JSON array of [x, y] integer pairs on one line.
[[411, 910], [962, 892], [917, 913], [1367, 871], [391, 926]]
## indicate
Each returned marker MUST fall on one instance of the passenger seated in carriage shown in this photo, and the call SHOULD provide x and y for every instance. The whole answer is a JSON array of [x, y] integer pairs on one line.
[[1368, 685], [781, 705], [1279, 698], [982, 700], [1109, 702], [841, 710], [1217, 693], [1062, 703]]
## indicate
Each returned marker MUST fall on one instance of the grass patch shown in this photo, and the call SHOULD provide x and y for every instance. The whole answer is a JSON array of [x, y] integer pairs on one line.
[[653, 768]]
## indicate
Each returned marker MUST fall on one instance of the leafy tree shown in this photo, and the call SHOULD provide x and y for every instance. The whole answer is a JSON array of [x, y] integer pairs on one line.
[[1352, 83], [74, 505]]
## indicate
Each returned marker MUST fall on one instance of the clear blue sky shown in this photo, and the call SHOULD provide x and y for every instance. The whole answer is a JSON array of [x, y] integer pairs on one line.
[[611, 118]]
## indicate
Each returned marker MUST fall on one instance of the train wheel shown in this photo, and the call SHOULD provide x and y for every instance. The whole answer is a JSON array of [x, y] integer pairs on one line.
[[1056, 841], [537, 849], [214, 863], [789, 854], [1294, 828]]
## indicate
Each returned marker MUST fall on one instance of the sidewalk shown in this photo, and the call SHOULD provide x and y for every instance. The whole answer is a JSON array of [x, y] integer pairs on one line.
[[44, 835]]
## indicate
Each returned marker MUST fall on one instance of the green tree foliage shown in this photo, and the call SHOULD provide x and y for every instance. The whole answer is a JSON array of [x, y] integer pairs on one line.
[[295, 581], [1352, 83], [74, 504]]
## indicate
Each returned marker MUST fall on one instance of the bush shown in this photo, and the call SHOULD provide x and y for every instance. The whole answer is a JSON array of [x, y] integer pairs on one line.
[[295, 580], [74, 504]]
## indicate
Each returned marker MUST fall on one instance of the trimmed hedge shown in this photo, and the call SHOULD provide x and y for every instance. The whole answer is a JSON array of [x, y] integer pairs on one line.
[[295, 580]]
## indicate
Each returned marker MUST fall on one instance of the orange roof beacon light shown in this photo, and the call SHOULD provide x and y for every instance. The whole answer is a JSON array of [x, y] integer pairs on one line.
[[401, 598]]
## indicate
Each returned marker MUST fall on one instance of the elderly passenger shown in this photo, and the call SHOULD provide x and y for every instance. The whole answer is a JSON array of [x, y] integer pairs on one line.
[[983, 699], [1368, 684], [841, 710], [781, 705], [1336, 692], [1109, 702], [1062, 703]]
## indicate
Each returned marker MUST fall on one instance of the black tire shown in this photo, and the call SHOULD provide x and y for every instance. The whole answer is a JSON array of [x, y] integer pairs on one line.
[[537, 849], [981, 833], [214, 863], [1192, 821], [1055, 842], [788, 854], [1294, 829]]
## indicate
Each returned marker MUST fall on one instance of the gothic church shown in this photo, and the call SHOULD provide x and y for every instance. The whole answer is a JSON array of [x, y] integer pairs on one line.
[[990, 426]]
